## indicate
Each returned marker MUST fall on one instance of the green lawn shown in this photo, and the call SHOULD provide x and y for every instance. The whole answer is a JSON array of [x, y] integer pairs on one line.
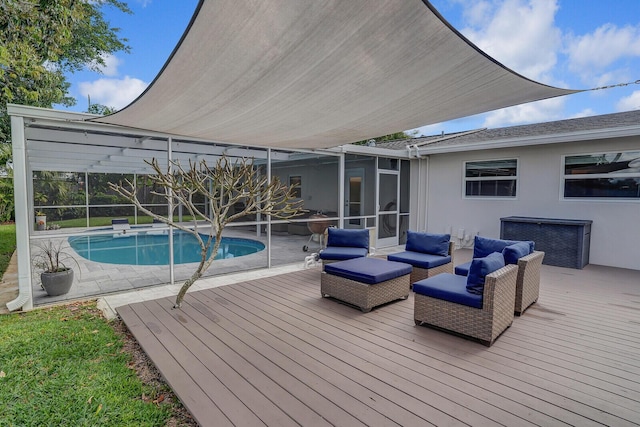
[[7, 245], [65, 366], [106, 221]]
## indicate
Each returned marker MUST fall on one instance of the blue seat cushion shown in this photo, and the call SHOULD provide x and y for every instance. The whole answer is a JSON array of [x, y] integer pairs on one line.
[[348, 238], [448, 287], [420, 260], [479, 269], [483, 246], [514, 252], [368, 270], [337, 253], [462, 269], [428, 243]]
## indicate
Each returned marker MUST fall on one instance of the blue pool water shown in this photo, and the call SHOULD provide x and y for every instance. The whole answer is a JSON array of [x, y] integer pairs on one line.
[[142, 248]]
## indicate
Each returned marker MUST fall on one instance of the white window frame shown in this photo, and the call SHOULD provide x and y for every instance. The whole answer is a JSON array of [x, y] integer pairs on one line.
[[466, 179]]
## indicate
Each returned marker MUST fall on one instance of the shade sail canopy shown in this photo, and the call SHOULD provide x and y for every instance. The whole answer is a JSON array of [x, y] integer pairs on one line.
[[321, 73]]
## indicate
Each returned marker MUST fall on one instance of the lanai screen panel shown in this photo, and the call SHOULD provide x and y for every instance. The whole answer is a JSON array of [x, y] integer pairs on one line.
[[321, 73]]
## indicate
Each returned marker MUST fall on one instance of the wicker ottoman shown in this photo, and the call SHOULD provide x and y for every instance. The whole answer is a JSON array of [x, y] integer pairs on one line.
[[366, 282]]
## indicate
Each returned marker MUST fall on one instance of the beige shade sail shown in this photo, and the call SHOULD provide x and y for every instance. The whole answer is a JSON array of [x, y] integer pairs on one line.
[[321, 73]]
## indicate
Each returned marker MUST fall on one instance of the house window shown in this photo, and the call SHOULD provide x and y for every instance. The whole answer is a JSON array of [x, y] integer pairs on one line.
[[491, 178], [297, 181], [613, 175]]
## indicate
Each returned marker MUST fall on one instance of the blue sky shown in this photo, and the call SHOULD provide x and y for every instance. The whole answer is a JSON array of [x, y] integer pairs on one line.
[[576, 44]]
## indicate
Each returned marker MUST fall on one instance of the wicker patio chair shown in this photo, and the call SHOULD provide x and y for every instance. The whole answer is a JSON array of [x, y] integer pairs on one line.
[[422, 273], [482, 324], [345, 244], [428, 253]]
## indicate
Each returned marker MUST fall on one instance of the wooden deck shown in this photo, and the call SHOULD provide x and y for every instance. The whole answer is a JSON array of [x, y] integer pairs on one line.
[[273, 352]]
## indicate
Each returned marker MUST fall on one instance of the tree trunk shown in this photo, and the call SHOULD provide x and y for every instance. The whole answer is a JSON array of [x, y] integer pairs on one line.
[[202, 266], [186, 285]]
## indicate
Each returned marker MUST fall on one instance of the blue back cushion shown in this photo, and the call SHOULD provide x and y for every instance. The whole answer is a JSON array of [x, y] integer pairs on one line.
[[483, 246], [348, 238], [513, 253], [479, 268], [428, 243]]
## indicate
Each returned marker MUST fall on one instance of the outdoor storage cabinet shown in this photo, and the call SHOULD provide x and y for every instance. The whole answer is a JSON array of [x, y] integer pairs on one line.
[[565, 242]]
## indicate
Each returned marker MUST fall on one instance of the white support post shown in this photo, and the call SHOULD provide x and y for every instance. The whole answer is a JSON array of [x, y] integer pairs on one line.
[[268, 216], [135, 209], [170, 207], [24, 299], [86, 197], [341, 176]]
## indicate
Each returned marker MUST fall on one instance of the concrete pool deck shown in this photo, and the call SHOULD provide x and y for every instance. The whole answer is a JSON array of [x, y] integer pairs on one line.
[[109, 303], [116, 285], [97, 279]]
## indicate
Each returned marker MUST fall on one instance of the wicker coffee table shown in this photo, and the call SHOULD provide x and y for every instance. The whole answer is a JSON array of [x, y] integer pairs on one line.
[[366, 282]]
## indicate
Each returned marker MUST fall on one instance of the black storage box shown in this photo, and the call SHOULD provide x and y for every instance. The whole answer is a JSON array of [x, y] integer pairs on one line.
[[565, 242]]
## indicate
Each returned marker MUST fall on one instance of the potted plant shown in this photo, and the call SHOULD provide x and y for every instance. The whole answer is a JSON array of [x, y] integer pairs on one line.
[[41, 221], [56, 277]]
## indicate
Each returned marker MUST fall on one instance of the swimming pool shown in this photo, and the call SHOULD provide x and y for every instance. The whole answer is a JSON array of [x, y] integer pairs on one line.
[[143, 248]]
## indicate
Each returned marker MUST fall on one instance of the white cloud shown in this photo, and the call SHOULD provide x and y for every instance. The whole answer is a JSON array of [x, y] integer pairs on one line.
[[111, 65], [520, 34], [428, 130], [116, 93], [628, 103], [477, 13], [598, 50], [533, 112], [587, 112]]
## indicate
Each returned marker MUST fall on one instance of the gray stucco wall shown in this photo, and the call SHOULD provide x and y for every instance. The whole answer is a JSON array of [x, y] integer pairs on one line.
[[615, 232]]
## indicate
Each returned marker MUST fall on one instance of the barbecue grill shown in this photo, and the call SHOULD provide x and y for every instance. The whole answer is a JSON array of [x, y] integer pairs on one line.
[[317, 227]]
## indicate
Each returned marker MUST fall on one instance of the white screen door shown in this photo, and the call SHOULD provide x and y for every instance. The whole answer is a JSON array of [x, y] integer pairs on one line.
[[388, 191]]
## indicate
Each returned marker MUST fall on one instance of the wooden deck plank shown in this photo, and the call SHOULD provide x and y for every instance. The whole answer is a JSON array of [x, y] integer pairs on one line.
[[562, 389], [491, 377], [213, 354], [380, 394], [274, 345], [378, 354], [285, 355], [229, 404], [272, 375], [198, 402]]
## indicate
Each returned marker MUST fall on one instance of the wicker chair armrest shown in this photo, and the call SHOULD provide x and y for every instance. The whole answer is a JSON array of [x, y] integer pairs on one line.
[[533, 257], [452, 247], [500, 288], [528, 282], [529, 267]]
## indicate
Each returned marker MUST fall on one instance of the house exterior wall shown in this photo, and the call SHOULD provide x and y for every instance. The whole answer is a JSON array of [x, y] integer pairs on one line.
[[615, 231]]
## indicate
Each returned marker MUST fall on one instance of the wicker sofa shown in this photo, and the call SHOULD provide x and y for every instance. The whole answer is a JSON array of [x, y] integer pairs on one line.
[[429, 254], [445, 302], [522, 254]]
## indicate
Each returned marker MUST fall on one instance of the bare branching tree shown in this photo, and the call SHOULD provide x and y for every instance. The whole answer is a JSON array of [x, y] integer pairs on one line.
[[232, 190]]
